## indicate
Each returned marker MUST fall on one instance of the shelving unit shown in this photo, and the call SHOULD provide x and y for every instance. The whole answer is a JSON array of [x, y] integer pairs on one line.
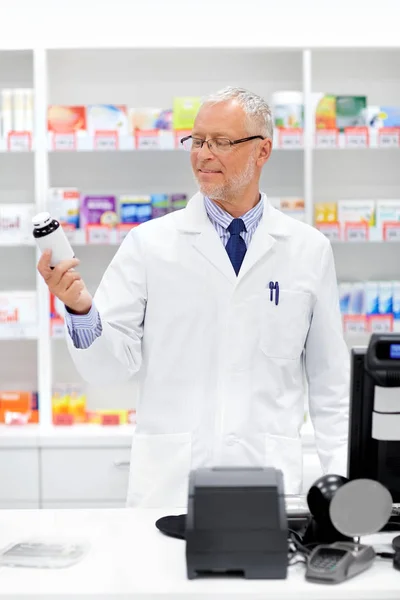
[[146, 77]]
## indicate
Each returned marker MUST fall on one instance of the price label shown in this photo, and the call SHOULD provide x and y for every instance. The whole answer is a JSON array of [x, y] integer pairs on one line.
[[57, 330], [356, 137], [106, 140], [19, 141], [110, 419], [180, 134], [326, 138], [70, 232], [291, 139], [64, 142], [389, 137], [354, 324], [147, 140], [380, 323], [63, 419], [391, 231], [122, 231], [330, 230], [98, 234], [356, 232]]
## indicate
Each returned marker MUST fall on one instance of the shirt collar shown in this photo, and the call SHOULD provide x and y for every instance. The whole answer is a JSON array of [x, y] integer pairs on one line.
[[219, 216]]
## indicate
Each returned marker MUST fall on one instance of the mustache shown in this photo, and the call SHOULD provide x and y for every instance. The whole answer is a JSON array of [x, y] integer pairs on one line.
[[208, 166]]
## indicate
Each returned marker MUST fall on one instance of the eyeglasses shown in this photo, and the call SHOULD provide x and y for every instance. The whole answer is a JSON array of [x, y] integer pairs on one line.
[[215, 145]]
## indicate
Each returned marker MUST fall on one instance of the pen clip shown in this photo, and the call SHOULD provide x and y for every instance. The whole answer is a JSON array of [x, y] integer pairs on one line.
[[276, 293], [271, 290]]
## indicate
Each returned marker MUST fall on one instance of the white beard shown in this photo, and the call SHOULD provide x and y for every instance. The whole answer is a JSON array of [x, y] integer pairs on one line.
[[233, 187]]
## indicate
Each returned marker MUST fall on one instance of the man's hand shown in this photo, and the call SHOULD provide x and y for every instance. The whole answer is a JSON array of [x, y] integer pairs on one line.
[[65, 283]]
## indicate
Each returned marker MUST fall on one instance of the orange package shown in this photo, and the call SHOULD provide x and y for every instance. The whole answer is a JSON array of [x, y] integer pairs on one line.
[[66, 119], [18, 407]]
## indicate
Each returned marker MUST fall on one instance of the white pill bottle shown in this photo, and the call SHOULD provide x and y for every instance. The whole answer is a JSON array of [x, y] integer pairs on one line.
[[49, 234]]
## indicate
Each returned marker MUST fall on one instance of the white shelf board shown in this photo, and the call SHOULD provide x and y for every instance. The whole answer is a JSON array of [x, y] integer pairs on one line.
[[52, 436], [17, 243], [18, 332], [80, 436], [86, 435], [78, 237], [166, 141], [18, 145], [19, 436]]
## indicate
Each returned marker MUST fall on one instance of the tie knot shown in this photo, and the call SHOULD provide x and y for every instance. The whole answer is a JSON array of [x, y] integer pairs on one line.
[[236, 227]]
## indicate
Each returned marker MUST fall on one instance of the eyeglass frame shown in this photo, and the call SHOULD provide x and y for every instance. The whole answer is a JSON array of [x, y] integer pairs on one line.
[[231, 143]]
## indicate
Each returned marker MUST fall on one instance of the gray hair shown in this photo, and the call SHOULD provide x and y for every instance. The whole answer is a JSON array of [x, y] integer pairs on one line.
[[258, 112]]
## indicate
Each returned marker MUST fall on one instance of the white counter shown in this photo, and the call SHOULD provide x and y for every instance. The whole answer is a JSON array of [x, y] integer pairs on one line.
[[74, 436], [130, 559], [27, 436]]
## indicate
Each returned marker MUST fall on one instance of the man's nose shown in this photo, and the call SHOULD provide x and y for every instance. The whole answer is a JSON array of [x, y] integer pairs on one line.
[[205, 151]]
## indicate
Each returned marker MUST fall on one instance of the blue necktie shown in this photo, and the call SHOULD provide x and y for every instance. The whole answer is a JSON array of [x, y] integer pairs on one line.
[[236, 246]]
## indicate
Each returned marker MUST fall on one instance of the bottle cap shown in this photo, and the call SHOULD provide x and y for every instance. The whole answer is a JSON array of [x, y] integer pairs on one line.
[[41, 220]]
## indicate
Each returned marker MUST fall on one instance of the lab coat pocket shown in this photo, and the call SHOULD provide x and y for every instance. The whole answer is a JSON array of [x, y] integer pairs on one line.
[[285, 453], [160, 466], [284, 326]]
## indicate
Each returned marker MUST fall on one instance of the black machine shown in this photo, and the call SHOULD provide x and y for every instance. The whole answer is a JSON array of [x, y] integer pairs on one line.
[[236, 523], [374, 428]]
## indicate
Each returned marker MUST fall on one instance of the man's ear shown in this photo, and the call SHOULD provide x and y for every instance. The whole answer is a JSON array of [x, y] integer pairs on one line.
[[265, 150]]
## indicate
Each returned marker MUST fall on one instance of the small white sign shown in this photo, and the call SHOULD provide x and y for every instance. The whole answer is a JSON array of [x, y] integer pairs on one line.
[[327, 138], [98, 235], [389, 138], [356, 234], [19, 141], [107, 141], [357, 137], [392, 232], [64, 141], [291, 139]]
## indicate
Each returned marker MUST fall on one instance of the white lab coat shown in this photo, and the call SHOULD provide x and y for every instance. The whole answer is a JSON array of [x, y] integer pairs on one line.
[[221, 367]]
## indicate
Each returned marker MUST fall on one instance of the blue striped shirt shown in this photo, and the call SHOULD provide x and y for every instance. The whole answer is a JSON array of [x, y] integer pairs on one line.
[[84, 329]]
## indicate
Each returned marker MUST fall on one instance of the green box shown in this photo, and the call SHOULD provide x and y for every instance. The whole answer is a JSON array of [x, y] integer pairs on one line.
[[350, 111], [185, 110]]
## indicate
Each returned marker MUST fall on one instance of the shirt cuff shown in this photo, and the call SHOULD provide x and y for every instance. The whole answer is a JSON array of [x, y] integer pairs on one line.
[[88, 321]]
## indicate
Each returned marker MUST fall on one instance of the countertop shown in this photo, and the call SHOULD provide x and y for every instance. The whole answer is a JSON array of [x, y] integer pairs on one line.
[[57, 436], [130, 559]]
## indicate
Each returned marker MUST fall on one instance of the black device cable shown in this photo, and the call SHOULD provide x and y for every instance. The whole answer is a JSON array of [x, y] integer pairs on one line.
[[299, 552]]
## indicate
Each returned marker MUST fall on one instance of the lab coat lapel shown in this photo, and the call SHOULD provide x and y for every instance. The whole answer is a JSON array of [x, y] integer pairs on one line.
[[272, 226], [193, 221]]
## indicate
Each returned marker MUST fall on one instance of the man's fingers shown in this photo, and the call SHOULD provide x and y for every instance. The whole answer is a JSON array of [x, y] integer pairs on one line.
[[44, 265], [63, 267], [68, 279], [76, 286]]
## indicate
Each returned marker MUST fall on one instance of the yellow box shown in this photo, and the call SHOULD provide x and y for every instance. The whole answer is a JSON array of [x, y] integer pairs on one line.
[[325, 212], [77, 403]]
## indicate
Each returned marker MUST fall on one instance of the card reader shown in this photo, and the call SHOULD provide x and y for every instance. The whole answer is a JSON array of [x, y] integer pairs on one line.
[[334, 563]]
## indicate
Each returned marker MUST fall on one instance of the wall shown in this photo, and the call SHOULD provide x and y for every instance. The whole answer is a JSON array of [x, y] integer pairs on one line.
[[202, 23]]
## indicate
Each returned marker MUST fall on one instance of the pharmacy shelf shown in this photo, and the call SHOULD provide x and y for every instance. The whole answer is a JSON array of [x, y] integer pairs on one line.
[[81, 436], [16, 243], [105, 236], [18, 332], [17, 143], [300, 166], [371, 139], [157, 141], [56, 436], [358, 138]]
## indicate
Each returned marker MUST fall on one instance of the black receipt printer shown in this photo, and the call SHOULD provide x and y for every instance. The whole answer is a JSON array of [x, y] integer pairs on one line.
[[236, 523]]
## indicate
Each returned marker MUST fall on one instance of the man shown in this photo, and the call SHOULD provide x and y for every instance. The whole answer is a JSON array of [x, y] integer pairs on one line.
[[220, 308]]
